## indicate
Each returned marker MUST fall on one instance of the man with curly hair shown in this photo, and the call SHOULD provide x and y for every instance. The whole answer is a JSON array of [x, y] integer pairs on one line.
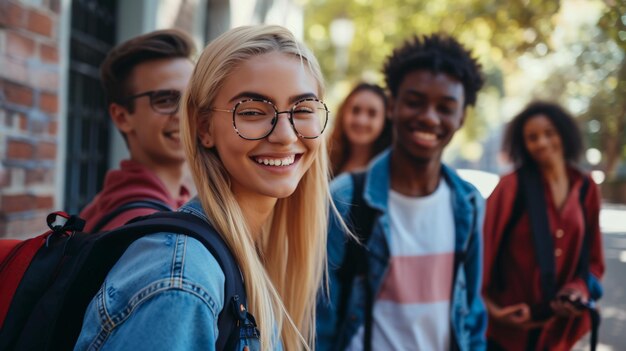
[[415, 282]]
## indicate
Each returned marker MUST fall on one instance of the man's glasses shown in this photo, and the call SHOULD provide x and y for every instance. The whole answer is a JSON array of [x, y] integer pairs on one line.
[[165, 102], [255, 119]]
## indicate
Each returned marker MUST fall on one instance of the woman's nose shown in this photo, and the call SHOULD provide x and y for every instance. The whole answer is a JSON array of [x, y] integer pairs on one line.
[[283, 131]]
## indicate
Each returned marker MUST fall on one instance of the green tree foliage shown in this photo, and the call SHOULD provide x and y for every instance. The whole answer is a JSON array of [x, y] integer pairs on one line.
[[598, 84], [499, 33], [496, 31]]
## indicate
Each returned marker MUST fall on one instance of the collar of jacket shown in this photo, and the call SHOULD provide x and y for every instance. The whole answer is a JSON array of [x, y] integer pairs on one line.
[[464, 195]]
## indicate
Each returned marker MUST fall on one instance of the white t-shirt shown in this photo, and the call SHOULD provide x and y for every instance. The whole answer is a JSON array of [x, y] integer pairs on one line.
[[412, 308]]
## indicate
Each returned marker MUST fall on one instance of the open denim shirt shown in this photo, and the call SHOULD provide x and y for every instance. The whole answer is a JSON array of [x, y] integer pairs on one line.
[[164, 293], [468, 315]]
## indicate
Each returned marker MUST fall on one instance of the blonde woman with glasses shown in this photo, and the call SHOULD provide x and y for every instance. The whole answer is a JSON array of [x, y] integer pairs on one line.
[[252, 130]]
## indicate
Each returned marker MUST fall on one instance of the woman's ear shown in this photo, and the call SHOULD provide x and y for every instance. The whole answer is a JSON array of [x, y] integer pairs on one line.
[[205, 132]]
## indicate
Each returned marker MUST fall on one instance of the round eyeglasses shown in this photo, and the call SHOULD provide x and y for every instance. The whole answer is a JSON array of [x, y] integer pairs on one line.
[[165, 102], [255, 119]]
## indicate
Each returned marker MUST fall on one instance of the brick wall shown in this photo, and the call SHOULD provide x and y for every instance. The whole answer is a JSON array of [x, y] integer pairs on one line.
[[29, 113]]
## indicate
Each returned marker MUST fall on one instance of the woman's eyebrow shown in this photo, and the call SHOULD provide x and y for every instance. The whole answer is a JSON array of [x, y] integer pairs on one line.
[[253, 95]]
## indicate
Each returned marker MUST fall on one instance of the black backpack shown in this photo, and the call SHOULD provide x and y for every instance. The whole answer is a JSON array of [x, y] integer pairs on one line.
[[47, 307]]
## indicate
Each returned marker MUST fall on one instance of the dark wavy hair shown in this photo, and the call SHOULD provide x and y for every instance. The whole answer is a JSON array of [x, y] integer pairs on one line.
[[571, 138], [339, 146], [116, 69], [437, 53]]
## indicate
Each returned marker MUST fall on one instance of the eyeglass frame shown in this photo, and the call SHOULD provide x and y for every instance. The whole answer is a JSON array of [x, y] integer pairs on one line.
[[276, 114], [150, 94]]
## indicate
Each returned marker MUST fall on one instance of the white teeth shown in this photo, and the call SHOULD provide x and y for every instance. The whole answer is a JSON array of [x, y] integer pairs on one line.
[[276, 161], [426, 136]]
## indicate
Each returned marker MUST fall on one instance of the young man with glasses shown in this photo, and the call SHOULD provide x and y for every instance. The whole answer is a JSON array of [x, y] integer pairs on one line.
[[143, 80], [415, 284]]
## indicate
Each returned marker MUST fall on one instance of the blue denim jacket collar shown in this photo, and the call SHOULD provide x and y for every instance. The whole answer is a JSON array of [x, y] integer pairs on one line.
[[194, 206], [378, 183]]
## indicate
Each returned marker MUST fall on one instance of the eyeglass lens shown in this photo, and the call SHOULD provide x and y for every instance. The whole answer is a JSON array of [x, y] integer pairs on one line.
[[165, 101], [255, 119]]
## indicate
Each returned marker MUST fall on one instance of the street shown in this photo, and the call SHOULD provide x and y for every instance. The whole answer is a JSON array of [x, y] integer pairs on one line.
[[613, 304]]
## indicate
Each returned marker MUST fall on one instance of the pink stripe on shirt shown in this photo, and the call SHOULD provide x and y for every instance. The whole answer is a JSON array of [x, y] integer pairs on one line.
[[418, 279]]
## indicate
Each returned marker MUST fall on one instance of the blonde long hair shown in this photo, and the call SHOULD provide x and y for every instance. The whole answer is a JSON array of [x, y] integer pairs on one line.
[[282, 273]]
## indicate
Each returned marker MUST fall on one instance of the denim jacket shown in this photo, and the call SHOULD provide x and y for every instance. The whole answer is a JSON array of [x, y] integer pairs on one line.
[[164, 293], [468, 315]]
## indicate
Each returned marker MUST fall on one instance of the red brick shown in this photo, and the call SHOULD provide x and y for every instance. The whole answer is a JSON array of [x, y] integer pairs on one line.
[[49, 102], [48, 53], [18, 94], [16, 203], [46, 151], [17, 149], [44, 201], [12, 14], [40, 23], [19, 45], [53, 128], [39, 176], [24, 228]]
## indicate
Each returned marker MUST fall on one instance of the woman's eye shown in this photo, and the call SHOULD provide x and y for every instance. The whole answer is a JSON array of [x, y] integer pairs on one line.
[[250, 113], [303, 110]]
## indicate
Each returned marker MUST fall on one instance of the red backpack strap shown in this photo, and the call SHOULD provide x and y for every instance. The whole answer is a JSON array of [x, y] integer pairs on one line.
[[17, 256], [13, 267], [6, 246]]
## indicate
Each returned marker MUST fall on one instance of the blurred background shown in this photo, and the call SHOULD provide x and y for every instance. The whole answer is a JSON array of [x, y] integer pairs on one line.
[[56, 140]]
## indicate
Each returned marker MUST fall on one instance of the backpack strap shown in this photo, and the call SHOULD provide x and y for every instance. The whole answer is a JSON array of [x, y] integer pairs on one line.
[[131, 205], [534, 195], [582, 268], [89, 260], [361, 220]]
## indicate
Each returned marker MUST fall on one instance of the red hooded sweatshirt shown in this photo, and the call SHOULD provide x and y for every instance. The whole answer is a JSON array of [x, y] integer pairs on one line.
[[131, 182]]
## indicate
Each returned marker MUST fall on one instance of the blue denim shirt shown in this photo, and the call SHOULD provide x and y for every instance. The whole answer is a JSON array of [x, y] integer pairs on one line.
[[164, 293], [468, 315]]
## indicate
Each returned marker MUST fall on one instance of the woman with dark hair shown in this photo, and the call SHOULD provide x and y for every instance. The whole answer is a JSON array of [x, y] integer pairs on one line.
[[362, 129], [543, 251]]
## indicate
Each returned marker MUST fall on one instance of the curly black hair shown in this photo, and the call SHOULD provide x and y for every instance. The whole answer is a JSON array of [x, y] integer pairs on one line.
[[571, 138], [438, 53]]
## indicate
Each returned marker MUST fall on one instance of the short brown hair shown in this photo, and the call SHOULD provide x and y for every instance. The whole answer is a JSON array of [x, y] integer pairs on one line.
[[119, 63]]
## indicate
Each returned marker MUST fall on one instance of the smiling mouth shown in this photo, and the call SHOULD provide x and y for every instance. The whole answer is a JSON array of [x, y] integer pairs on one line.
[[273, 161], [426, 136], [173, 135]]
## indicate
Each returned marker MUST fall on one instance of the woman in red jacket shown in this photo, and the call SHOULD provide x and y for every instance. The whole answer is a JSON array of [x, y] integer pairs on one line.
[[530, 307]]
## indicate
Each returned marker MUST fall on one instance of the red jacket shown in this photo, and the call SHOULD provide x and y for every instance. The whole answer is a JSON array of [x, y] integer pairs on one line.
[[131, 182], [519, 267]]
